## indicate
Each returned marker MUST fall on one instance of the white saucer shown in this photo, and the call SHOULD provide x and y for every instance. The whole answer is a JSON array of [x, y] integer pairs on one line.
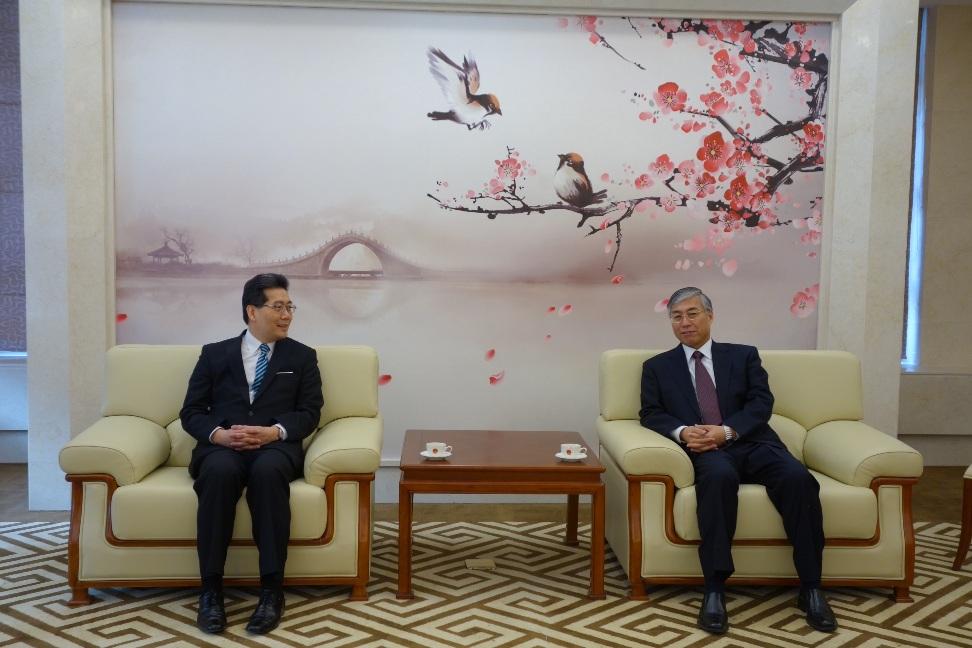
[[574, 457], [438, 455]]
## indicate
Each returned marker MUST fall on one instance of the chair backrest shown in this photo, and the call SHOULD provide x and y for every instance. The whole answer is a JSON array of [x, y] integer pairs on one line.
[[809, 387], [150, 381]]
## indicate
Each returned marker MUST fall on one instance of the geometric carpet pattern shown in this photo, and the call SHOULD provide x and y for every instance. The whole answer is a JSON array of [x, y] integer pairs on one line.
[[534, 599]]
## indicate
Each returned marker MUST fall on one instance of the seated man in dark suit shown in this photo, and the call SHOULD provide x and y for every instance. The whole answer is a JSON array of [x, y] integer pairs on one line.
[[714, 400], [251, 400]]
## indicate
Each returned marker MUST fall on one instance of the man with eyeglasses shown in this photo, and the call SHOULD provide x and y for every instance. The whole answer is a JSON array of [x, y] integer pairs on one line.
[[714, 399], [251, 400]]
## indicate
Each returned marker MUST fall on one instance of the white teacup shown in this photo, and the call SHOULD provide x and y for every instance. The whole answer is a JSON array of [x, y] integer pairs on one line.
[[437, 448], [573, 450]]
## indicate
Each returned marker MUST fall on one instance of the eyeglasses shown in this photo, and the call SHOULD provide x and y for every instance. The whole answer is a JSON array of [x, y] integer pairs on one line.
[[280, 308], [691, 316]]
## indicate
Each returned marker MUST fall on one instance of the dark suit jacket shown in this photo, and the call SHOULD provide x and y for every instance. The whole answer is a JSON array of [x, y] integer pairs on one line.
[[218, 396], [668, 397]]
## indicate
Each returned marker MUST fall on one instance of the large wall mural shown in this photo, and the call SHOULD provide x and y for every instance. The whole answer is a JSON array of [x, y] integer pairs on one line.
[[490, 200]]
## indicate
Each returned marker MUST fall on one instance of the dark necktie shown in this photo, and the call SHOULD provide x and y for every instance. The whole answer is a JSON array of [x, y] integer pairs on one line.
[[261, 368], [706, 393]]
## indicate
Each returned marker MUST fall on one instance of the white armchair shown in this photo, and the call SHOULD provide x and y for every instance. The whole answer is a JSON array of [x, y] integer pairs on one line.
[[865, 481], [133, 508]]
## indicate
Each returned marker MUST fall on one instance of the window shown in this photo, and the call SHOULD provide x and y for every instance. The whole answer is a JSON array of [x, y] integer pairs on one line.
[[13, 314], [912, 320]]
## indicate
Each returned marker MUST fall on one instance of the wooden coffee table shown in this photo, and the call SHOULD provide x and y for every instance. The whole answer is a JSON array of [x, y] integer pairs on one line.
[[495, 461]]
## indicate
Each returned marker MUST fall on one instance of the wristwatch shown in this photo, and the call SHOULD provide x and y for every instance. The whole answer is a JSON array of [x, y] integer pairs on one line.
[[730, 435]]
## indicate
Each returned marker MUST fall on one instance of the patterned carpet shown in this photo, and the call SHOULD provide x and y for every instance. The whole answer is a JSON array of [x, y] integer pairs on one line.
[[533, 599]]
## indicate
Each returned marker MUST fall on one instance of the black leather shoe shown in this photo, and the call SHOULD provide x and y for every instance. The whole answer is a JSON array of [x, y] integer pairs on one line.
[[712, 614], [211, 616], [268, 611], [819, 615]]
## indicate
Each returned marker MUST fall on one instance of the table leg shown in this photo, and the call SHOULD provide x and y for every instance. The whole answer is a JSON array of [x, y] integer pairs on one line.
[[404, 542], [597, 544], [572, 506]]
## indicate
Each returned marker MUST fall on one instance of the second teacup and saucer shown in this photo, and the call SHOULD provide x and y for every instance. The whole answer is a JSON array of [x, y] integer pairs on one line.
[[571, 452], [436, 450]]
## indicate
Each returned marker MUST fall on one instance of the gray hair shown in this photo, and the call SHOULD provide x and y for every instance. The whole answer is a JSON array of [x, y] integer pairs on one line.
[[688, 292]]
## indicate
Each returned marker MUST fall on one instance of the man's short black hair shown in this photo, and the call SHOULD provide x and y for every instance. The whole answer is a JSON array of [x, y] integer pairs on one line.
[[253, 294]]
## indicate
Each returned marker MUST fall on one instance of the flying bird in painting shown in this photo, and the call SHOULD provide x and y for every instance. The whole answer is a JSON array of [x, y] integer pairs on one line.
[[460, 84], [572, 184]]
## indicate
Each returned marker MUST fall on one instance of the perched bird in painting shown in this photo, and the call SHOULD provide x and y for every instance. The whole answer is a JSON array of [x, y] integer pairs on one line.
[[572, 184], [460, 84]]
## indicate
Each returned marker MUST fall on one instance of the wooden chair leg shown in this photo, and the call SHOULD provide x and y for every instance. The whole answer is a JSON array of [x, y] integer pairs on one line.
[[79, 596], [966, 535], [638, 591], [902, 595]]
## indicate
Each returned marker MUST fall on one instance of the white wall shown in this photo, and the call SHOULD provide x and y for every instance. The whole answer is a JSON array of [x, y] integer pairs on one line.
[[69, 225]]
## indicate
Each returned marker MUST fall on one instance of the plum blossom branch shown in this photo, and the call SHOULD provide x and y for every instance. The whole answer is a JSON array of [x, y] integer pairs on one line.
[[816, 102], [502, 196], [728, 154], [605, 43], [749, 202]]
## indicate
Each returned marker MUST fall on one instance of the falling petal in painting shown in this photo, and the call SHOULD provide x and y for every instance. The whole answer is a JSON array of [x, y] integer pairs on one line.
[[490, 354], [547, 337], [617, 279], [121, 317], [729, 267], [661, 305], [803, 304], [566, 309], [497, 378], [384, 379], [694, 244], [552, 309]]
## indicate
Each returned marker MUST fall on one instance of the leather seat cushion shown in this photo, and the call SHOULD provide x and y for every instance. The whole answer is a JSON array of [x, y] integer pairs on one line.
[[162, 506], [848, 512]]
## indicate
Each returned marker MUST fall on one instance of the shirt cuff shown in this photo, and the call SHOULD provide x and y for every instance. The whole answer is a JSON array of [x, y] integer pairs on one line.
[[213, 433], [676, 432], [283, 431]]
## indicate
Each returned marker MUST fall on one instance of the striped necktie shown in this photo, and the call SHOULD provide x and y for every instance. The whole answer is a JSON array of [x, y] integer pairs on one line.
[[706, 393], [261, 369]]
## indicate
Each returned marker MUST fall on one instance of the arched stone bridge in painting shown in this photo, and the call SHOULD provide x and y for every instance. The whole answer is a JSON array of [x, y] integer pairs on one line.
[[317, 263]]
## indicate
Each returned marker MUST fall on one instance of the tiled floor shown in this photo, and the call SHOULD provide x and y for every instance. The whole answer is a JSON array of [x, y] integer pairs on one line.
[[937, 498]]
